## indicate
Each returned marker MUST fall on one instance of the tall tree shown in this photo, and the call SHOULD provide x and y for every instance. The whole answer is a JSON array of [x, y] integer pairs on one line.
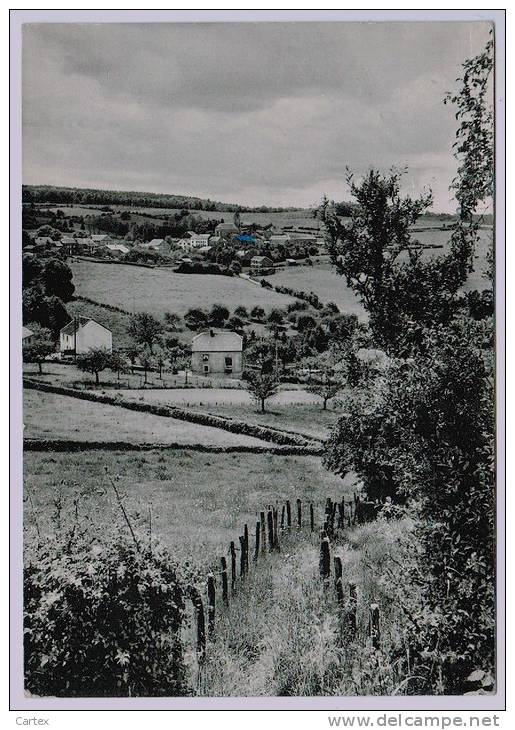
[[57, 279], [262, 386], [401, 291], [40, 346], [145, 329], [94, 361]]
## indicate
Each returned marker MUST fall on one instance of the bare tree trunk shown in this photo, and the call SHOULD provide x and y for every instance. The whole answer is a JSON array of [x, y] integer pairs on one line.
[[40, 368], [262, 405], [97, 379]]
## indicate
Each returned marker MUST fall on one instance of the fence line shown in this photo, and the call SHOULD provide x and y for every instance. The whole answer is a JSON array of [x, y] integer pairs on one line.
[[267, 540]]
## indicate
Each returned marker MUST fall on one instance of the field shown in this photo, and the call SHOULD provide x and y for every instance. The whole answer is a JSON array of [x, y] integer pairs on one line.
[[294, 410], [199, 501], [330, 287], [52, 416], [324, 282], [158, 291]]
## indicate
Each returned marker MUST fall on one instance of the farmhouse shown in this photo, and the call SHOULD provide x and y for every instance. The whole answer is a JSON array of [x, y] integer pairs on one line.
[[83, 334], [261, 264], [224, 230], [118, 247], [69, 244], [217, 353], [26, 336], [100, 238], [193, 241], [85, 244], [280, 238]]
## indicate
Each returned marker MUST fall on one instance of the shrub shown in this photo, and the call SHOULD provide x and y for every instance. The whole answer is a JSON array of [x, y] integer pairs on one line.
[[101, 618]]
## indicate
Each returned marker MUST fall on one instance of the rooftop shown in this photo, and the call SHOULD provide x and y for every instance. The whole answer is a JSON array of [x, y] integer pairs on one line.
[[217, 341], [77, 323]]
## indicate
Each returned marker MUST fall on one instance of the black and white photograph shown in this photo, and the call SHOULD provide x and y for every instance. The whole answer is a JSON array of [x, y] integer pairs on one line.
[[259, 359]]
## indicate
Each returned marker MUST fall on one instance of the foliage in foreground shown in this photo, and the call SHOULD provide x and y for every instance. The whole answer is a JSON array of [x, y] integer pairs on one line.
[[427, 441], [101, 618]]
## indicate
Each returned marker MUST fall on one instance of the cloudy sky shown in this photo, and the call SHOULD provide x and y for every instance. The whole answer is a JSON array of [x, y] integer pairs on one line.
[[254, 113]]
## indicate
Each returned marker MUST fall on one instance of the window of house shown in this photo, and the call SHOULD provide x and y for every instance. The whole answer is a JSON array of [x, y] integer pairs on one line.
[[228, 363], [205, 358], [206, 368]]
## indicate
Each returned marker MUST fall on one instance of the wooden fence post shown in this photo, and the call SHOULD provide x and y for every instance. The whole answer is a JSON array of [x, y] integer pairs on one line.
[[325, 559], [312, 517], [353, 609], [373, 626], [338, 584], [283, 510], [211, 603], [233, 565], [246, 543], [242, 556], [299, 513], [201, 624], [341, 514], [270, 520], [288, 514], [276, 529], [258, 534], [263, 532], [225, 588], [328, 513]]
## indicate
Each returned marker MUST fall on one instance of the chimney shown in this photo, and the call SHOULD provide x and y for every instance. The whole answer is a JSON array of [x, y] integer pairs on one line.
[[211, 333]]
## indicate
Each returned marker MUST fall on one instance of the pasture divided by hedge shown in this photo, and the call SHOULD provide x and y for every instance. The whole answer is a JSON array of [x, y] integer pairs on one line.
[[266, 433]]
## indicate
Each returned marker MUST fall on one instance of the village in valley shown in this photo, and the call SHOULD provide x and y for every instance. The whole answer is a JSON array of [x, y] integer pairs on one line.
[[258, 439]]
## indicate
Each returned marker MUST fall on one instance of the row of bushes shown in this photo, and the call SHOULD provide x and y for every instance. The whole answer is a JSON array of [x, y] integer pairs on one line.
[[199, 267], [64, 445], [309, 297], [204, 419]]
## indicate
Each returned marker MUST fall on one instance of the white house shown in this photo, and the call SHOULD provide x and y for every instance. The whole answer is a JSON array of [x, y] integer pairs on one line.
[[217, 353], [83, 334], [280, 238], [26, 336], [120, 247], [193, 241]]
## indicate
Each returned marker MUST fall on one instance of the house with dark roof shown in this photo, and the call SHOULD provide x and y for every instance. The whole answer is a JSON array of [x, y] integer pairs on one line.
[[27, 336], [217, 352], [225, 230], [83, 334]]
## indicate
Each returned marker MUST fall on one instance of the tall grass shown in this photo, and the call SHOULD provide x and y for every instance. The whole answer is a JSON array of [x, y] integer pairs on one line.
[[285, 635]]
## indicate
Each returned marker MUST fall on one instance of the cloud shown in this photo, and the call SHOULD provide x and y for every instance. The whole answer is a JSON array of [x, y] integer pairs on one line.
[[252, 113]]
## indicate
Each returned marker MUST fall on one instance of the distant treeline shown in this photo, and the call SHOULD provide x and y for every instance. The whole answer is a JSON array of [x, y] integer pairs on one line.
[[89, 196]]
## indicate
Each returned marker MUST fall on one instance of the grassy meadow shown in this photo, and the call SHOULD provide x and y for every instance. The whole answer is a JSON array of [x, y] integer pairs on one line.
[[52, 416], [198, 501], [324, 282], [292, 409], [138, 289]]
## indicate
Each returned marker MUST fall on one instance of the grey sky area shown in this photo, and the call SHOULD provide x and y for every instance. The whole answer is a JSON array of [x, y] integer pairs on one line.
[[248, 113]]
